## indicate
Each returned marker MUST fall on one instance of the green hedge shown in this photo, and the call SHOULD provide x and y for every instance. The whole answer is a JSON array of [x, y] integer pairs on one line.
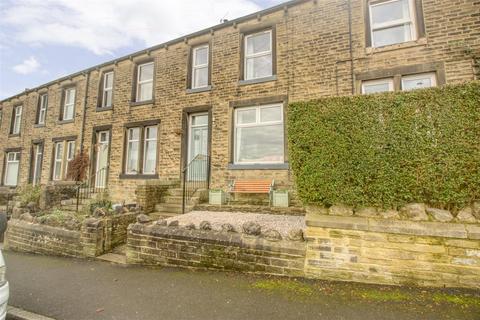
[[389, 149]]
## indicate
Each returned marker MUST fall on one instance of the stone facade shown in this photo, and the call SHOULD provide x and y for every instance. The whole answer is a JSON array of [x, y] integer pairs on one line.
[[207, 249], [402, 252], [315, 56]]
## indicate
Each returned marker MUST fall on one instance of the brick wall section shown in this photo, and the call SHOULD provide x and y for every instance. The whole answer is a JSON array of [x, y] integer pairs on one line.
[[170, 246], [312, 61], [116, 229], [393, 252], [33, 238]]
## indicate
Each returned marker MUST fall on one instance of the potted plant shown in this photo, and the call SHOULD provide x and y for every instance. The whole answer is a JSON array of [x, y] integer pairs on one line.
[[216, 197], [280, 198]]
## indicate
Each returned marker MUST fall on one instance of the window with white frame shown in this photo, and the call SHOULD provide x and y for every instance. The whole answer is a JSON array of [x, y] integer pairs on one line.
[[133, 150], [37, 163], [17, 120], [259, 135], [200, 67], [12, 168], [70, 155], [150, 150], [107, 90], [419, 81], [392, 21], [376, 86], [69, 104], [58, 161], [42, 108], [144, 82], [258, 55]]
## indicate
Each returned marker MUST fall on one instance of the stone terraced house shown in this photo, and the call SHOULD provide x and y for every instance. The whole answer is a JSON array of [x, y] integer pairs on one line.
[[215, 101]]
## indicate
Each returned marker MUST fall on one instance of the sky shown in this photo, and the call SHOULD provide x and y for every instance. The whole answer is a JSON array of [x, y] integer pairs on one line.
[[42, 40]]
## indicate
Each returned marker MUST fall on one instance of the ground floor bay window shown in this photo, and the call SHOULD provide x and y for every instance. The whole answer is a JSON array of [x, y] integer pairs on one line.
[[12, 167], [259, 135]]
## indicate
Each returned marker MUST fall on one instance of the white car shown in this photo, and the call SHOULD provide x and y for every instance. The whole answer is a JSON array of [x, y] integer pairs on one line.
[[4, 289]]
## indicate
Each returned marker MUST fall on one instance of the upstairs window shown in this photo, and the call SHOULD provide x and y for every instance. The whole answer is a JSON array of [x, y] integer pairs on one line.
[[144, 88], [16, 120], [12, 169], [258, 55], [259, 135], [68, 110], [42, 108], [200, 67], [107, 90], [392, 22]]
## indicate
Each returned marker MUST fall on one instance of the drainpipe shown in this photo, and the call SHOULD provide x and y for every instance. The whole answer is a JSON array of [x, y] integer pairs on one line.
[[85, 102], [349, 4]]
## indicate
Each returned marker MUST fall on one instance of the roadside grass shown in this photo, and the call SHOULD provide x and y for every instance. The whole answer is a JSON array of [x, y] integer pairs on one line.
[[298, 289]]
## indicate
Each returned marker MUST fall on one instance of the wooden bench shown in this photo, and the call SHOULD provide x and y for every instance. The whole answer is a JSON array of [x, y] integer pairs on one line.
[[253, 186]]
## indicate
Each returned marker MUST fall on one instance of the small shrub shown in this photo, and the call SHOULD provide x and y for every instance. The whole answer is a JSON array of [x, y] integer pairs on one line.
[[30, 193], [77, 168], [102, 201]]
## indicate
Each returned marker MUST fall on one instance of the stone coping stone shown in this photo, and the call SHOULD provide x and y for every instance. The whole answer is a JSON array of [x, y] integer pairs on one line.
[[218, 237], [418, 228], [44, 229]]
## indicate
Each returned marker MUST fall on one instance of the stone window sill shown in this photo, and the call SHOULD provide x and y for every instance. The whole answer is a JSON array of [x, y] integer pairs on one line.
[[39, 125], [198, 90], [138, 176], [260, 80], [13, 135], [100, 109], [397, 46], [259, 166], [66, 121], [141, 103]]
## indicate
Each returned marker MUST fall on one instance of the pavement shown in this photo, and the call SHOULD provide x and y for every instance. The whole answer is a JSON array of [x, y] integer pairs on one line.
[[72, 289]]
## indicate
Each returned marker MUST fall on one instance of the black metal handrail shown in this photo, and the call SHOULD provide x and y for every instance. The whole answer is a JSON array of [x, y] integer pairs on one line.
[[195, 176], [85, 189]]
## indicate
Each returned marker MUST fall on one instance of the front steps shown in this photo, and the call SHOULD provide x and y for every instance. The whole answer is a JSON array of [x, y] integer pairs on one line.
[[117, 256], [172, 204]]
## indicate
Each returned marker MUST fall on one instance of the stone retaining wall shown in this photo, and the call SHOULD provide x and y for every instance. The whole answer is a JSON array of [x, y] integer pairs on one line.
[[173, 246], [35, 238], [384, 251], [150, 192], [96, 237]]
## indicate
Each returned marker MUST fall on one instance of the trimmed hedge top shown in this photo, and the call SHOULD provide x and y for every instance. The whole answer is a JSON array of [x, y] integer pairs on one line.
[[386, 150]]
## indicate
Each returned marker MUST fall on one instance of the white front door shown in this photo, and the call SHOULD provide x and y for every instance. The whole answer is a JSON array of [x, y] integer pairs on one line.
[[103, 138], [198, 147]]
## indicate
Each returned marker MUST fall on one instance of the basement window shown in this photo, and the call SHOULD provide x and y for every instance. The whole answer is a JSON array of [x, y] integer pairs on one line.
[[419, 81], [376, 86]]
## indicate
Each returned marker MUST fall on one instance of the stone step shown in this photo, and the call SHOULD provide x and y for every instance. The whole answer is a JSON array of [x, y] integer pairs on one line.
[[113, 258], [162, 215], [172, 207], [179, 199]]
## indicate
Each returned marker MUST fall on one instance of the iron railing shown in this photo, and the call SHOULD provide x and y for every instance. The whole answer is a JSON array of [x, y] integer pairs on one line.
[[195, 177], [85, 190]]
